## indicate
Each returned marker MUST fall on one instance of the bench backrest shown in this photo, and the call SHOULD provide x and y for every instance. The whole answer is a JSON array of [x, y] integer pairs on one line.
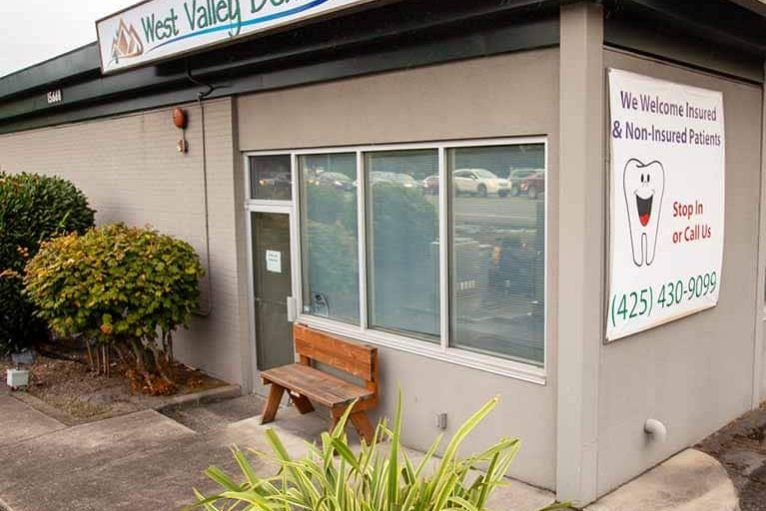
[[350, 357]]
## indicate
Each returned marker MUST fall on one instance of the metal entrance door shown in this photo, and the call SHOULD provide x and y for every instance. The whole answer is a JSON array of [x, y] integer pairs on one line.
[[272, 285]]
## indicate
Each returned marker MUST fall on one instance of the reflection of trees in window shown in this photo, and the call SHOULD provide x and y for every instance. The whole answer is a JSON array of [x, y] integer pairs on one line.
[[331, 280], [405, 262]]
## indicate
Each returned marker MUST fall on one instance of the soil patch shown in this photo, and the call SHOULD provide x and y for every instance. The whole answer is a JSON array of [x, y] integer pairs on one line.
[[62, 381], [741, 449]]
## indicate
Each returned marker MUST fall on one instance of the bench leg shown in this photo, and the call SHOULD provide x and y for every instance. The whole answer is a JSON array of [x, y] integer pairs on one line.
[[302, 403], [336, 413], [363, 426], [272, 403]]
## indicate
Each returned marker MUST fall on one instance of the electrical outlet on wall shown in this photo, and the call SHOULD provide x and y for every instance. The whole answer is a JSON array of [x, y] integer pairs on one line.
[[441, 420]]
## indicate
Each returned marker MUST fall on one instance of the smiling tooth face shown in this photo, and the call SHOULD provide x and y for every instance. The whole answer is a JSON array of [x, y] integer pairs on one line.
[[644, 186]]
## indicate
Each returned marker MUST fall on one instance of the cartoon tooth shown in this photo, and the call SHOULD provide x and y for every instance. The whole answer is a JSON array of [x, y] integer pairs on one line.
[[644, 186]]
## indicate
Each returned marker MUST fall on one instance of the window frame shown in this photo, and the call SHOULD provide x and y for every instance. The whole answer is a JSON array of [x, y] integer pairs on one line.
[[517, 369]]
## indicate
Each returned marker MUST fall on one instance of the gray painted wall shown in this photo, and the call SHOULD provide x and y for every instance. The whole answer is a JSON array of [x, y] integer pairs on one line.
[[695, 374], [131, 172], [509, 95]]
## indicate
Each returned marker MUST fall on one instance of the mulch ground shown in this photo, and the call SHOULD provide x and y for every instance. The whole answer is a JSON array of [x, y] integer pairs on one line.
[[741, 449], [61, 379]]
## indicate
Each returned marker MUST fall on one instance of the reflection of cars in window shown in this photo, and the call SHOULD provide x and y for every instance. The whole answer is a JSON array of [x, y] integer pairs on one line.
[[517, 176], [278, 182], [381, 177], [404, 180], [479, 182], [431, 185], [533, 185], [336, 180]]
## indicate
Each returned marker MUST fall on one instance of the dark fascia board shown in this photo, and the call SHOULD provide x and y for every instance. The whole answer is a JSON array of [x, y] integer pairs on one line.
[[722, 21], [255, 55], [640, 27], [540, 33], [83, 60]]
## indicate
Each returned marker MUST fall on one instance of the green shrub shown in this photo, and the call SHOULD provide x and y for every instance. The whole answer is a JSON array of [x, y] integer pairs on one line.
[[33, 208], [381, 477], [123, 287]]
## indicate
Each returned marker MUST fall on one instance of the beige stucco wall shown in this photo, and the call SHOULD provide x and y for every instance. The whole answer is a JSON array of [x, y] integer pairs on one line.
[[503, 96], [131, 172], [695, 374]]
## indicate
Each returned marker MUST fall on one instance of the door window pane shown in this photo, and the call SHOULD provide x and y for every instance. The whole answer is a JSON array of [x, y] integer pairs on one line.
[[270, 177], [497, 251], [403, 242], [330, 236]]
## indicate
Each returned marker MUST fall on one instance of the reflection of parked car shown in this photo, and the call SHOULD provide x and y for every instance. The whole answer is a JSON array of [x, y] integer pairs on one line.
[[281, 182], [396, 178], [336, 180], [517, 176], [533, 185], [431, 185], [480, 182]]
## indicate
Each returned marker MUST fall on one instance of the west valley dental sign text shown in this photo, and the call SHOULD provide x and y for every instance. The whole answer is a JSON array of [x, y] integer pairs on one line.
[[159, 29]]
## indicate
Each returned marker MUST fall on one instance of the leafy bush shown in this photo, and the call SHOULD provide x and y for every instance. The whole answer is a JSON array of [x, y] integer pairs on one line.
[[331, 477], [33, 208], [119, 287]]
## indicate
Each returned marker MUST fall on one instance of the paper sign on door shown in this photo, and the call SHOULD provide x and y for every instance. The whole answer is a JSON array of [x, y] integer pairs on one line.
[[274, 261]]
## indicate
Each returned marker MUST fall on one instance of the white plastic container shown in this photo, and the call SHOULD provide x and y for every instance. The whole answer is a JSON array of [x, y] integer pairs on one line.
[[17, 378]]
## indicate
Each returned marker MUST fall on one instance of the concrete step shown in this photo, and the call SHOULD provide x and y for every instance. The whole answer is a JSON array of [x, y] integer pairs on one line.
[[206, 417], [689, 481]]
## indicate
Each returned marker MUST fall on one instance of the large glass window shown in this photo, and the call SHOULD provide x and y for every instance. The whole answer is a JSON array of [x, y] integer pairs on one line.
[[270, 177], [330, 236], [403, 243], [441, 243], [497, 254]]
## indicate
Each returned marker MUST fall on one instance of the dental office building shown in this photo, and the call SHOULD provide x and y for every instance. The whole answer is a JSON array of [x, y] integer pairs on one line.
[[557, 202]]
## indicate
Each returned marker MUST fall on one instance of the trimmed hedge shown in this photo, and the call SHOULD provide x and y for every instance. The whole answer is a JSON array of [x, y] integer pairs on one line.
[[33, 208]]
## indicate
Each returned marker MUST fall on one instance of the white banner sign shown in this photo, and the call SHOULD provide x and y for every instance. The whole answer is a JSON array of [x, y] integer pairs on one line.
[[666, 199], [158, 29]]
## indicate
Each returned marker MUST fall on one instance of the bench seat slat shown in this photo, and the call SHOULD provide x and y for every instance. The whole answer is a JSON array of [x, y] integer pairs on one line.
[[326, 389]]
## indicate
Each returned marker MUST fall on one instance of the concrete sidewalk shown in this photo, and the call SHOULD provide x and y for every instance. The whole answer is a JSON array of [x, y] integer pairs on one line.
[[147, 461]]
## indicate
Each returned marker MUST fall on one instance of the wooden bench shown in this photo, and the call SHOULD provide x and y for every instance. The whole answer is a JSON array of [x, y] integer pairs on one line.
[[305, 383]]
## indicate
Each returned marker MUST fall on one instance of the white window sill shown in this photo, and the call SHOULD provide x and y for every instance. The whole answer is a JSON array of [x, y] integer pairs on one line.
[[486, 363]]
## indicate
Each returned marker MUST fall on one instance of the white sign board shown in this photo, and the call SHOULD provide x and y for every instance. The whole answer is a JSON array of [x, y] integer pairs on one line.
[[274, 261], [157, 29], [666, 224]]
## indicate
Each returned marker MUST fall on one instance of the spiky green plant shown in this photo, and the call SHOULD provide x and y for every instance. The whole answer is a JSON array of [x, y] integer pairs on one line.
[[332, 477]]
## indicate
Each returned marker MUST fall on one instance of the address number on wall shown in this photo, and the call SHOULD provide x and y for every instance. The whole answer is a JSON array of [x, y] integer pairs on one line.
[[55, 96]]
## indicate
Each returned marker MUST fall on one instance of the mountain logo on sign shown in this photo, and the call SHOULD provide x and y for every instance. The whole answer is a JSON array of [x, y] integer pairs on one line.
[[644, 187], [126, 43]]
